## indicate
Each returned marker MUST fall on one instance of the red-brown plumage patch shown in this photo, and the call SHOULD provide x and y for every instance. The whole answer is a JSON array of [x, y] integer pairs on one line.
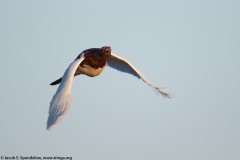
[[94, 60]]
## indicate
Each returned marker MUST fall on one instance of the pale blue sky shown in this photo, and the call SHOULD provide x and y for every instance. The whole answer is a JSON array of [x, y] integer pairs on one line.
[[190, 47]]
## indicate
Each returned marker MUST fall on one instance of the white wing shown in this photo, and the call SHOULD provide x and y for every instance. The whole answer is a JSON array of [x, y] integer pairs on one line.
[[124, 65], [61, 101]]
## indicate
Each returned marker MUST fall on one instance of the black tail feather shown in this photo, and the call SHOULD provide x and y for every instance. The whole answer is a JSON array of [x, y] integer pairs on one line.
[[56, 82]]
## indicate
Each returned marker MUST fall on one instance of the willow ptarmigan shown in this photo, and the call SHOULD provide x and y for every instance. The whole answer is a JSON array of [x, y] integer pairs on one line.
[[90, 62]]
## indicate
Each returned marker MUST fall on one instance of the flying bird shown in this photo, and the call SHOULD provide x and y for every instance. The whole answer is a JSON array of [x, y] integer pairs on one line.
[[90, 62]]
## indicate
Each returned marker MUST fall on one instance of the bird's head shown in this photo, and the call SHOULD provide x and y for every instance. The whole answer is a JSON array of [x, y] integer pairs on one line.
[[106, 50]]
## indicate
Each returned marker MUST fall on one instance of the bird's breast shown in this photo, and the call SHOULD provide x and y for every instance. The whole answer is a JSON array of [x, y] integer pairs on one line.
[[92, 65], [88, 70], [94, 60]]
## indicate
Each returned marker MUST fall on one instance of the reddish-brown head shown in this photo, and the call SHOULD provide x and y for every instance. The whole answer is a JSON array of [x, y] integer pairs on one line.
[[106, 50]]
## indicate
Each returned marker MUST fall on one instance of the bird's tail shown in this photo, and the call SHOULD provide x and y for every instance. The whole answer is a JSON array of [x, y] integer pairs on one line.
[[56, 82]]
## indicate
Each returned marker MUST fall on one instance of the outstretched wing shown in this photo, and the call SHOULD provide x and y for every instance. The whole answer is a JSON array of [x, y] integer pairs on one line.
[[124, 65], [61, 101]]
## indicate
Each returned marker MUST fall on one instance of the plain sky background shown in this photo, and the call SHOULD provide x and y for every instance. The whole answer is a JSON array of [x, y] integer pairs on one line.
[[189, 47]]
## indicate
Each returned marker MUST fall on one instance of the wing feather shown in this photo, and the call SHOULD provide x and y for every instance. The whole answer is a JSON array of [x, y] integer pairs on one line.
[[123, 65], [61, 101]]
